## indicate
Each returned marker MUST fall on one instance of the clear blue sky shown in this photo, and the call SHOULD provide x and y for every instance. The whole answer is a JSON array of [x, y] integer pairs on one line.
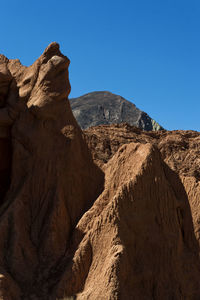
[[147, 51]]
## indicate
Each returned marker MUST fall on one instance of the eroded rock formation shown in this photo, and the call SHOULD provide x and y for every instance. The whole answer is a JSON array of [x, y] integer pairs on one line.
[[51, 170], [179, 149], [95, 215], [139, 234]]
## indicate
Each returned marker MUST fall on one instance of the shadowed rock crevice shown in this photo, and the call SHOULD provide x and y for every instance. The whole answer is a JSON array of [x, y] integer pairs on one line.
[[8, 97]]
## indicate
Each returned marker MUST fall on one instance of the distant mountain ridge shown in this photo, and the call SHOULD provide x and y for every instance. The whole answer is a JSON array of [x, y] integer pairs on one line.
[[103, 107]]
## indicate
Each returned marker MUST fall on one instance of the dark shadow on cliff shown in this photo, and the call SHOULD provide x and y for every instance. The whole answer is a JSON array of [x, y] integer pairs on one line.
[[184, 213], [6, 121]]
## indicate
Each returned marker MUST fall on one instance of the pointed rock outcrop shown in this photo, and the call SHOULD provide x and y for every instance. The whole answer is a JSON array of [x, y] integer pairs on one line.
[[138, 241]]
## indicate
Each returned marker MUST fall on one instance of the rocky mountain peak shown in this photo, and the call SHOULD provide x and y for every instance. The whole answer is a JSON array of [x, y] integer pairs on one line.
[[103, 107]]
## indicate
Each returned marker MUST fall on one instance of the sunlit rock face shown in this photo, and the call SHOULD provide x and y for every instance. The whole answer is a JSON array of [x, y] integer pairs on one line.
[[138, 240], [179, 149]]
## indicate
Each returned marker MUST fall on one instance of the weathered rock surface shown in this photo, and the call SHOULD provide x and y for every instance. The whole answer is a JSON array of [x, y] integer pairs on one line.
[[179, 149], [138, 234], [99, 215], [99, 108], [51, 169]]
